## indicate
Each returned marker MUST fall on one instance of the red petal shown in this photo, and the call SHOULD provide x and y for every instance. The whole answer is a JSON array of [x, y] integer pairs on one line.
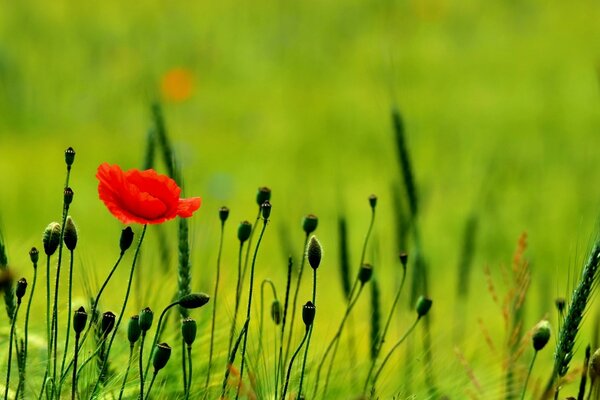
[[187, 207]]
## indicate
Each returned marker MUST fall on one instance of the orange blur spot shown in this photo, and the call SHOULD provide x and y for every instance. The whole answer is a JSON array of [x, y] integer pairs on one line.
[[177, 85]]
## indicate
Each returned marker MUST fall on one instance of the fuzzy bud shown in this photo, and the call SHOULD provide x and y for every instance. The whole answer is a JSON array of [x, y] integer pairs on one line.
[[223, 213], [193, 300], [51, 238], [145, 321], [364, 273], [541, 335], [69, 157], [68, 196], [161, 356], [21, 288], [265, 209], [188, 330], [244, 231], [133, 329], [79, 320], [263, 194], [314, 251], [276, 312], [373, 201], [107, 324], [309, 223], [423, 306], [34, 255], [126, 239], [308, 314], [70, 235]]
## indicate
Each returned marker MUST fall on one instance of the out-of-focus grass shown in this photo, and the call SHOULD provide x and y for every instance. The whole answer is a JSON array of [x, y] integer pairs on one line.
[[500, 100]]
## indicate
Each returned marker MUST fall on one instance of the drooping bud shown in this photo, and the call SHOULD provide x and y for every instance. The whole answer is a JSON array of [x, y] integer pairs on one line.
[[193, 300], [126, 239], [21, 288], [403, 259], [265, 209], [68, 196], [146, 317], [34, 255], [541, 335], [244, 231], [70, 235], [188, 330], [161, 356], [314, 251], [133, 329], [309, 223], [373, 201], [263, 194], [79, 320], [69, 157], [423, 306], [107, 324], [364, 273], [276, 312], [51, 238], [223, 213], [308, 314]]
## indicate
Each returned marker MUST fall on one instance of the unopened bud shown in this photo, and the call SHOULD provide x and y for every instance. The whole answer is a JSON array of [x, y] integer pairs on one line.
[[70, 235], [133, 329], [69, 157], [403, 259], [145, 321], [364, 273], [244, 231], [263, 194], [193, 300], [126, 239], [161, 356], [541, 335], [308, 314], [34, 255], [373, 201], [309, 223], [314, 252], [265, 208], [51, 238], [21, 288], [423, 306], [223, 214], [107, 324], [276, 312], [79, 320], [188, 330], [68, 196]]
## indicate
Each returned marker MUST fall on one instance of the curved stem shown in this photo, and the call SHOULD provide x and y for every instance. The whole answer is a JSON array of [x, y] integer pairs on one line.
[[214, 316], [287, 379], [10, 340], [262, 232], [238, 294], [387, 357], [74, 383], [528, 375], [232, 359], [295, 302], [151, 382], [156, 334], [262, 310], [280, 365], [140, 363], [126, 371], [68, 331], [314, 300], [189, 385], [22, 384], [247, 257]]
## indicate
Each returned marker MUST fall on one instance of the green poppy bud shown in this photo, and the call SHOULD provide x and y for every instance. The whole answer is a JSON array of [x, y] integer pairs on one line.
[[107, 324], [69, 157], [223, 213], [403, 259], [541, 335], [21, 288], [373, 201], [193, 300], [70, 235], [364, 273], [68, 196], [244, 231], [266, 210], [276, 312], [309, 223], [188, 330], [133, 329], [314, 252], [264, 194], [126, 239], [79, 320], [145, 321], [34, 255], [308, 314], [423, 306], [51, 238], [161, 356]]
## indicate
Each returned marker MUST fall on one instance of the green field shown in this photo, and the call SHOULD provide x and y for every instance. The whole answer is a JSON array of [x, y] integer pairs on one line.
[[501, 106]]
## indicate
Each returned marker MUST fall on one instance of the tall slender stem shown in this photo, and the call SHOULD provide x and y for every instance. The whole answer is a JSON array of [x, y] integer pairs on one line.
[[262, 232], [183, 366], [151, 382], [262, 310], [528, 375], [10, 340], [314, 300], [157, 333], [74, 383], [127, 371], [238, 293], [287, 379], [26, 346], [68, 332], [48, 329], [280, 365], [140, 363], [189, 385]]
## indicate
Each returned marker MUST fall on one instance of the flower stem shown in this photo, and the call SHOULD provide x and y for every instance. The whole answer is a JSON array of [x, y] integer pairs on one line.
[[151, 383], [528, 375], [262, 232], [156, 335], [48, 331], [10, 342], [238, 294], [68, 332], [126, 371], [22, 383], [262, 310], [140, 362], [74, 383], [232, 358], [183, 366], [189, 386], [279, 367], [314, 300], [289, 371]]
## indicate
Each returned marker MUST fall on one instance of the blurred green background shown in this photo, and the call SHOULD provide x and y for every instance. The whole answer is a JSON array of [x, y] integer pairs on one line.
[[500, 101]]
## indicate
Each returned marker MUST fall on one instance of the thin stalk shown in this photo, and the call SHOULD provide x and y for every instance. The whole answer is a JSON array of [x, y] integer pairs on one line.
[[528, 375], [126, 371], [314, 300], [214, 317], [189, 386], [232, 359], [140, 363], [152, 382], [22, 384], [10, 340], [289, 371], [262, 232], [295, 302], [247, 257], [183, 366], [74, 383], [262, 310], [48, 333], [116, 327], [68, 332], [384, 332], [99, 349], [387, 357], [335, 340], [238, 294], [157, 333], [280, 365]]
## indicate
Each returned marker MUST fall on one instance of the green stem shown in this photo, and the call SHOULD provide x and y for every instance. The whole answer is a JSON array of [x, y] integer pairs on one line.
[[314, 300], [151, 383], [387, 357], [27, 327], [183, 366], [48, 333], [214, 316], [262, 232], [247, 257], [140, 362], [189, 385], [156, 335], [238, 294], [289, 371], [10, 341], [74, 383], [126, 371], [232, 358], [262, 310], [280, 365], [528, 375], [68, 332]]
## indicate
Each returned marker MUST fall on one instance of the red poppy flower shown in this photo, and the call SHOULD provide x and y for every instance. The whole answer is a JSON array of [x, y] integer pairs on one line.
[[145, 197]]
